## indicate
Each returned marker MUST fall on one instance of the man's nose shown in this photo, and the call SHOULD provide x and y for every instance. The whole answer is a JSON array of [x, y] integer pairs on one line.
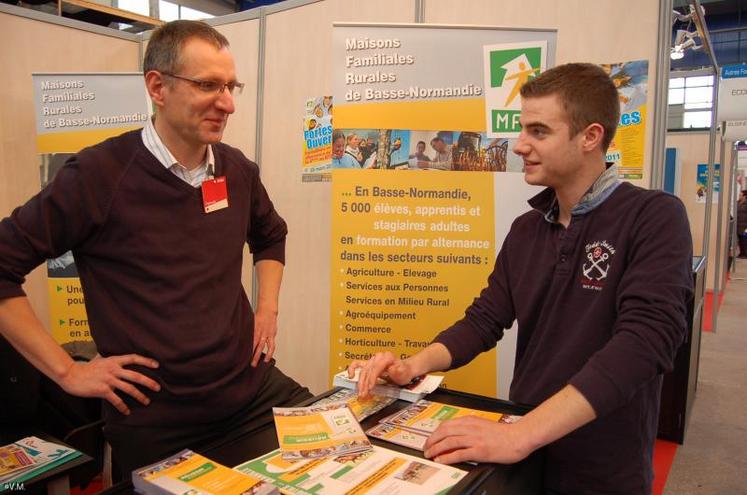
[[225, 101], [520, 146]]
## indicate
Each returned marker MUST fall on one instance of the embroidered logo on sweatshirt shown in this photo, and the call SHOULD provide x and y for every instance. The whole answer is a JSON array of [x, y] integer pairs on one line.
[[596, 267]]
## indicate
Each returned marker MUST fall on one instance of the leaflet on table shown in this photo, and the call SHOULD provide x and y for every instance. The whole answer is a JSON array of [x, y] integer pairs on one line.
[[395, 434], [425, 416], [31, 456], [318, 431], [418, 388], [376, 472], [190, 473], [362, 408]]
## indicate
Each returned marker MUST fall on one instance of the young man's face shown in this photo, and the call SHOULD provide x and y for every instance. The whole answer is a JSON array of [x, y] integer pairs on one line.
[[196, 116], [420, 147], [552, 157]]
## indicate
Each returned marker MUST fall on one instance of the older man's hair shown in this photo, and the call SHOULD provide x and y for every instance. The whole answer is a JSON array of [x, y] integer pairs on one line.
[[165, 45], [586, 93]]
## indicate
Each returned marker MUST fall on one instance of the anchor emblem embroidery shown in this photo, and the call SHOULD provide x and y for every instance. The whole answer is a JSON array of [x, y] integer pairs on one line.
[[597, 265]]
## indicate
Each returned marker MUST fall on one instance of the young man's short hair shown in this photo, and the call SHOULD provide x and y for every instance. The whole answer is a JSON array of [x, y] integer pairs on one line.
[[587, 94], [166, 43]]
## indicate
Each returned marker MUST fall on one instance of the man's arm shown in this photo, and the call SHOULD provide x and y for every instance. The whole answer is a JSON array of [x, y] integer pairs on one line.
[[101, 377], [476, 439], [269, 277]]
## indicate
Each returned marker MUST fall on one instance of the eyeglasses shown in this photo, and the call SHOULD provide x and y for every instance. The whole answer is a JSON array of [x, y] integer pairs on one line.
[[210, 86]]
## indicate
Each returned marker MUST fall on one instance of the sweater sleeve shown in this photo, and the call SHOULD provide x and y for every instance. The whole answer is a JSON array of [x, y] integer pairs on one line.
[[651, 307], [485, 319], [267, 230], [52, 222]]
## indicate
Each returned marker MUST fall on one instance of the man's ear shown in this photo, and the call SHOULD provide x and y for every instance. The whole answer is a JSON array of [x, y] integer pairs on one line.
[[156, 86], [592, 137]]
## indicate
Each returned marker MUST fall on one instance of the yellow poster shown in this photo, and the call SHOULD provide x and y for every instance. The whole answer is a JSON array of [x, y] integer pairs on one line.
[[408, 256], [627, 148]]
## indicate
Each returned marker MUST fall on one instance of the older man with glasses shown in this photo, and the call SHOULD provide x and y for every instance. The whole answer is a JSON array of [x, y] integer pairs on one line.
[[157, 220]]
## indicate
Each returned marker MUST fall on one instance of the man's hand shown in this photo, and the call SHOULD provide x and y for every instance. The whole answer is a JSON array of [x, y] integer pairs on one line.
[[101, 377], [265, 330], [476, 439], [384, 365]]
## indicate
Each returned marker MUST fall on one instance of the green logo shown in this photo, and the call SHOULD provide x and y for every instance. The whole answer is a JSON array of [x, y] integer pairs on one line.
[[500, 58]]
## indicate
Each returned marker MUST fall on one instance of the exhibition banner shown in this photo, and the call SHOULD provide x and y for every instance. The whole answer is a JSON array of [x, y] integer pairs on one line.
[[407, 259], [410, 251], [702, 183], [317, 140], [74, 111], [732, 93], [433, 97], [627, 147]]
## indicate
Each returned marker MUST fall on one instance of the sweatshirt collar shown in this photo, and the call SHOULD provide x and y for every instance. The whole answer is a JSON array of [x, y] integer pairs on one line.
[[546, 202]]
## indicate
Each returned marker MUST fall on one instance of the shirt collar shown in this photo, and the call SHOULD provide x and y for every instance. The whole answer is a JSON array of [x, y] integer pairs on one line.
[[547, 203], [153, 143]]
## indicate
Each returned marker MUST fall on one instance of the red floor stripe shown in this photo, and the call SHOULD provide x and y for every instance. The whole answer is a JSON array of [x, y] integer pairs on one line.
[[663, 457], [93, 488], [708, 308]]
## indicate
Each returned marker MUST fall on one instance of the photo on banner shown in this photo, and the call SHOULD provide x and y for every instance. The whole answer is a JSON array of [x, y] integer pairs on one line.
[[74, 111], [410, 251]]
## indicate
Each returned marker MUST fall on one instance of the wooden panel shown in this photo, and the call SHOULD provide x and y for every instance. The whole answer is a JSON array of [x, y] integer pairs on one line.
[[601, 31], [241, 130], [693, 148], [298, 67], [35, 46]]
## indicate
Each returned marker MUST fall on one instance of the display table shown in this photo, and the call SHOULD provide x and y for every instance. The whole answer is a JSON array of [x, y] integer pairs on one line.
[[521, 478], [679, 386], [56, 481]]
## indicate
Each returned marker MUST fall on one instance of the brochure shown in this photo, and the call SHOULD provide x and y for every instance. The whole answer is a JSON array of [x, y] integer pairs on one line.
[[425, 416], [399, 436], [318, 431], [190, 473], [31, 456], [361, 408], [418, 388], [376, 472]]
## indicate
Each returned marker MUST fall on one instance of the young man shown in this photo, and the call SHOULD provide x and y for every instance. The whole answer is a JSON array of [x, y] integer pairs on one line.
[[597, 276], [181, 348]]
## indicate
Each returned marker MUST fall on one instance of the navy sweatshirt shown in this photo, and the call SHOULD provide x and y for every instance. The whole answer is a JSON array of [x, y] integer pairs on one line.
[[600, 305], [161, 277]]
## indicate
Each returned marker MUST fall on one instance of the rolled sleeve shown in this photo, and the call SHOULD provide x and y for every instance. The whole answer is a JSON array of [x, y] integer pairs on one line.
[[267, 229]]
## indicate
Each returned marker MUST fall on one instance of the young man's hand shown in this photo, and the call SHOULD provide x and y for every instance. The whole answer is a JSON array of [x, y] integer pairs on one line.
[[476, 439], [382, 365]]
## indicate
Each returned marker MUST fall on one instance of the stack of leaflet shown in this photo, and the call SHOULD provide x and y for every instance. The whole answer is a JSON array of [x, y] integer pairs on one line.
[[361, 408], [190, 473], [319, 431], [413, 425], [29, 457], [376, 472], [418, 388]]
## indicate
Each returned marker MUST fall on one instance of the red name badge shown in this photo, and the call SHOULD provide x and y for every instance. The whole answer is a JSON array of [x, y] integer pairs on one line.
[[214, 194]]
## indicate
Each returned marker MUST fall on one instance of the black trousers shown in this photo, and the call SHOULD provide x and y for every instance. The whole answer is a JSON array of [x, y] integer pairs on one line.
[[136, 446]]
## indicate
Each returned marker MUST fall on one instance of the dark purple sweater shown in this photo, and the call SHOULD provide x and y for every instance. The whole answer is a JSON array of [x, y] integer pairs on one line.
[[600, 305], [161, 278]]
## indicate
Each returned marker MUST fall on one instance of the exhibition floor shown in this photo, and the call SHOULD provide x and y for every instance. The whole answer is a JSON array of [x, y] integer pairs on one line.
[[712, 460]]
